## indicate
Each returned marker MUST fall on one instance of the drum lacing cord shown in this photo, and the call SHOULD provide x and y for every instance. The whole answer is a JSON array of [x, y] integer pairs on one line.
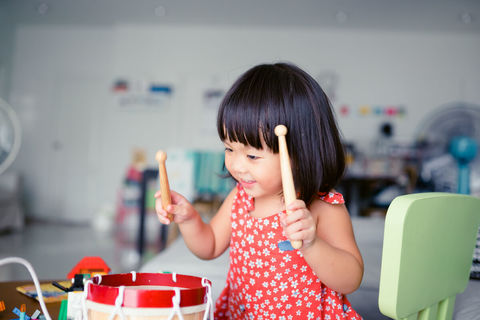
[[134, 276], [176, 305], [85, 294], [209, 307], [174, 276], [84, 298], [118, 304]]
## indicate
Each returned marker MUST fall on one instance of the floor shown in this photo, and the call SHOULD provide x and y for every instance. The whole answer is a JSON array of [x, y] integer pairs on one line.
[[54, 249]]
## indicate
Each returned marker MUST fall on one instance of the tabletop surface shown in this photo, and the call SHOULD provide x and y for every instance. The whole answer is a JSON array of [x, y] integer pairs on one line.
[[12, 298]]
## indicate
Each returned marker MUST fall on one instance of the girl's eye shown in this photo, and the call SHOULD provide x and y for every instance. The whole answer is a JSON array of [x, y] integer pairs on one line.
[[252, 157], [227, 149]]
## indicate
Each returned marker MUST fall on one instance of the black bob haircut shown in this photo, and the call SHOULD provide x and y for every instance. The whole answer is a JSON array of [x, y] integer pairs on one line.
[[271, 94]]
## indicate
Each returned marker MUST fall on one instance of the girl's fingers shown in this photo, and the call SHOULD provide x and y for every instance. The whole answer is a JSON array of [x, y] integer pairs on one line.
[[158, 206], [294, 216], [300, 231], [294, 227], [161, 212], [180, 208], [298, 225], [163, 219], [296, 205], [177, 198]]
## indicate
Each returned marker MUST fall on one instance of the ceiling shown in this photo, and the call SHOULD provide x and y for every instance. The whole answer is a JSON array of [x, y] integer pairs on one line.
[[459, 16]]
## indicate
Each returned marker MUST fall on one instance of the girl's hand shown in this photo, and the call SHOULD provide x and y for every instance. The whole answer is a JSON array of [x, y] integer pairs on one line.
[[181, 209], [299, 223]]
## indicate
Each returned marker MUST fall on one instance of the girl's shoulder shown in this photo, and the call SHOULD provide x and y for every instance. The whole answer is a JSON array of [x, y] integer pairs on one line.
[[331, 197]]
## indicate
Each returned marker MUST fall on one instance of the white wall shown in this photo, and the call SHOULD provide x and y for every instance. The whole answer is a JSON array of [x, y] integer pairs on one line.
[[78, 141], [6, 44]]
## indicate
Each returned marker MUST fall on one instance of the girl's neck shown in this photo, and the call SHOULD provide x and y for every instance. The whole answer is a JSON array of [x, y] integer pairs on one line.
[[267, 206]]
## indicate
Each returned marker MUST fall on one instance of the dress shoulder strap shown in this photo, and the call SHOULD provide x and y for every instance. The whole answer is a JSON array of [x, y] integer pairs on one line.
[[331, 197]]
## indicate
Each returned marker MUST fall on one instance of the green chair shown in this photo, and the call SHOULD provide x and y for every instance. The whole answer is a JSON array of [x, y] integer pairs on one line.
[[428, 246]]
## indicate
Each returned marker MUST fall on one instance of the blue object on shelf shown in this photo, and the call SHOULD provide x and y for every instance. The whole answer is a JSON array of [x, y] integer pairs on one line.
[[464, 150], [210, 175]]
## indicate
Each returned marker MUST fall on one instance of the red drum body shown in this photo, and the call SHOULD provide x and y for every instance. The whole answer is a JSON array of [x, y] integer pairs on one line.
[[147, 296]]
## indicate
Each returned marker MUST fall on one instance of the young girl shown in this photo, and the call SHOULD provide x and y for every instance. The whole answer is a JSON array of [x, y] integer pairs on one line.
[[267, 278]]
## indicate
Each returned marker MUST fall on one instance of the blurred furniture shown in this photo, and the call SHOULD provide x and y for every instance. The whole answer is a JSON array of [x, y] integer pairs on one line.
[[427, 254], [146, 202], [197, 175], [11, 211], [359, 190], [367, 177], [375, 176]]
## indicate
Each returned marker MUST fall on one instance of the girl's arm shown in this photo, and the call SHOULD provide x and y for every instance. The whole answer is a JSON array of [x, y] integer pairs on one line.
[[205, 240], [332, 253]]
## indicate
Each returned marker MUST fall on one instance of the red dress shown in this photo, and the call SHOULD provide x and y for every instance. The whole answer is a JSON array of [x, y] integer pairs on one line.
[[268, 279]]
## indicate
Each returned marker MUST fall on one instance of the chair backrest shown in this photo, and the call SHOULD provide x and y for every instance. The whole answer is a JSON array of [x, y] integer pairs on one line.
[[428, 246]]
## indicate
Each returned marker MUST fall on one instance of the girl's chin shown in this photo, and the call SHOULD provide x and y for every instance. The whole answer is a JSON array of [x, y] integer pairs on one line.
[[250, 193]]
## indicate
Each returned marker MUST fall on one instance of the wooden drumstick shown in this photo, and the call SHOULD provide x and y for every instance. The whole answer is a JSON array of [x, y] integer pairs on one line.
[[289, 193], [161, 157]]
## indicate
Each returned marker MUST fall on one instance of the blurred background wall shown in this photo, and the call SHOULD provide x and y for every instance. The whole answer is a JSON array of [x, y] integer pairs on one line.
[[6, 49], [64, 66]]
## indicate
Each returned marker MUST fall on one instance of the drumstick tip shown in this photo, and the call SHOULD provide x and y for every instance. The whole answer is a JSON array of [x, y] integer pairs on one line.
[[280, 130], [161, 156], [296, 244]]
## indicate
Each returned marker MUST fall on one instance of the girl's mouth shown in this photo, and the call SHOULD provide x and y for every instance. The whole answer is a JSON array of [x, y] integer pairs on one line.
[[247, 183]]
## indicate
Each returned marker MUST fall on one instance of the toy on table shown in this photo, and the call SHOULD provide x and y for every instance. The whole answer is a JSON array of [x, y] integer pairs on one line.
[[2, 305], [50, 292], [161, 157], [57, 291], [62, 314], [83, 271], [36, 315], [91, 266], [286, 171], [77, 283], [22, 314]]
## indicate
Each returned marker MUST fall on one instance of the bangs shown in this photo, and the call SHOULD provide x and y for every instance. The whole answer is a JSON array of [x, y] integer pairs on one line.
[[250, 111], [245, 124]]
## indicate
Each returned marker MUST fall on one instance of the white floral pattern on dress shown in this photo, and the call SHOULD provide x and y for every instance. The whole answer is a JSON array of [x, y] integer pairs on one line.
[[266, 282]]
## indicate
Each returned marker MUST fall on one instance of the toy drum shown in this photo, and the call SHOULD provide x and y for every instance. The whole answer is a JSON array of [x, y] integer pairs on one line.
[[147, 296]]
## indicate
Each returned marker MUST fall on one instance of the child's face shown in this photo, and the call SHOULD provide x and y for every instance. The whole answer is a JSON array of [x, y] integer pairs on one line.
[[258, 171]]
